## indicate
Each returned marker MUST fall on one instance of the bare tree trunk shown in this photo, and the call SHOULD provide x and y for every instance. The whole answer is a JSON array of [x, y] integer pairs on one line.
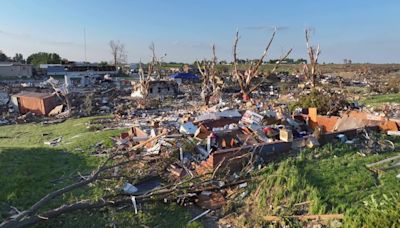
[[212, 82], [245, 96], [313, 54], [68, 101], [118, 52]]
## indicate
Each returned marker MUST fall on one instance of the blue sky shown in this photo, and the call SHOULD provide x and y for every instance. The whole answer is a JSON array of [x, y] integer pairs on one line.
[[361, 30]]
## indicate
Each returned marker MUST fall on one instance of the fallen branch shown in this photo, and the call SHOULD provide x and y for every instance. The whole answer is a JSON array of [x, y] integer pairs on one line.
[[142, 144], [199, 216], [33, 216]]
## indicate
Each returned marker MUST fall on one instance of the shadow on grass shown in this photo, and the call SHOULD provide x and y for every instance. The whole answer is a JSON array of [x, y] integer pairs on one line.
[[340, 175], [149, 215], [28, 174]]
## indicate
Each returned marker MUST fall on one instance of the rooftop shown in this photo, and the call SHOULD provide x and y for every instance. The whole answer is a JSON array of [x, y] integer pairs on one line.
[[5, 64]]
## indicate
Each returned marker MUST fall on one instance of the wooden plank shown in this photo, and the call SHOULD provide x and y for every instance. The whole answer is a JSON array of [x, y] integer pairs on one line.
[[304, 217], [383, 161]]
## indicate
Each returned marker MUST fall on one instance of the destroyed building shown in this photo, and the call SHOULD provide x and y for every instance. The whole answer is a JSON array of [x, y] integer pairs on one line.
[[157, 88]]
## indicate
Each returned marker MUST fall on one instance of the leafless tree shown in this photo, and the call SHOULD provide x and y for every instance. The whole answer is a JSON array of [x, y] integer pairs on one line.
[[155, 61], [154, 66], [118, 52], [310, 70], [246, 78], [212, 82]]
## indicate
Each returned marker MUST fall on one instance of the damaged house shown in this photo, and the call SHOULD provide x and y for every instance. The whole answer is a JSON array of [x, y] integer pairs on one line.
[[79, 74], [157, 88]]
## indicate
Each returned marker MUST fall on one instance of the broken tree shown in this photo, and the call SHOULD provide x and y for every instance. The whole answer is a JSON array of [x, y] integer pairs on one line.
[[246, 78], [212, 82], [152, 67], [310, 70]]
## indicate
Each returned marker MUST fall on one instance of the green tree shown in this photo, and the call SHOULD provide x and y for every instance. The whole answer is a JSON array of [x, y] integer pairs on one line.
[[301, 60], [44, 58], [103, 63], [3, 57], [18, 58]]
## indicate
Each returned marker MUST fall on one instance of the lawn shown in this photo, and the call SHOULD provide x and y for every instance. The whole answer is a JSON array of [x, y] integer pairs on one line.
[[30, 169], [382, 99]]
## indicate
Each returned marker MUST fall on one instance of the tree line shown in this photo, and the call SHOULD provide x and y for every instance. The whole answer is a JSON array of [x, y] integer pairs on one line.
[[17, 58], [35, 59]]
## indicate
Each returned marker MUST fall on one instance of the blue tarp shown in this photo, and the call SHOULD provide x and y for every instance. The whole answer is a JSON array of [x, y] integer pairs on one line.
[[184, 76]]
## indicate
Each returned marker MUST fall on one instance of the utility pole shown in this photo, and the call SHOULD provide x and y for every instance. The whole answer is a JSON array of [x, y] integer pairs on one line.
[[84, 41]]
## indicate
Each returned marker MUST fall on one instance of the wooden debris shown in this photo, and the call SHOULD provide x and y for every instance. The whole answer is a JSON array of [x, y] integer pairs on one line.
[[199, 216], [272, 218], [383, 161]]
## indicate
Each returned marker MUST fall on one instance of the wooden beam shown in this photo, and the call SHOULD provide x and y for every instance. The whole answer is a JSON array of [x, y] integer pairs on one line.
[[304, 217], [383, 161]]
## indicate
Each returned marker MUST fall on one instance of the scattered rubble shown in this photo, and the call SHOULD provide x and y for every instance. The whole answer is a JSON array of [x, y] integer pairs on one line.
[[183, 140], [54, 142]]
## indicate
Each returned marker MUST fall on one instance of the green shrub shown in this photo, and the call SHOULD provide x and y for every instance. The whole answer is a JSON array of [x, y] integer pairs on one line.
[[326, 101]]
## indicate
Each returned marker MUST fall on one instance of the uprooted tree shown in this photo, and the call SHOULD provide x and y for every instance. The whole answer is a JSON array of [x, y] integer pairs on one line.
[[246, 78], [310, 70], [212, 82]]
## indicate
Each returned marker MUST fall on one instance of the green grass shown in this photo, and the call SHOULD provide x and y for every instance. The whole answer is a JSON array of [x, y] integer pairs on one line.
[[382, 99], [334, 179], [30, 169], [149, 215], [75, 134]]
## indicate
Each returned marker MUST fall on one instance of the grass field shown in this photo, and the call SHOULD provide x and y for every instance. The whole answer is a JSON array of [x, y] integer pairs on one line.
[[382, 99], [28, 166], [30, 169], [331, 179]]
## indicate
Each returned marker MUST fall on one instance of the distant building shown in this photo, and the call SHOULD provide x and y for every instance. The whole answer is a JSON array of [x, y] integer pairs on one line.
[[55, 70], [185, 78], [46, 66], [80, 69], [174, 69], [17, 70]]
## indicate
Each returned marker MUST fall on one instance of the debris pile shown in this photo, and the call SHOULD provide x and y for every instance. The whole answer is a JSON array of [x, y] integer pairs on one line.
[[176, 149]]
